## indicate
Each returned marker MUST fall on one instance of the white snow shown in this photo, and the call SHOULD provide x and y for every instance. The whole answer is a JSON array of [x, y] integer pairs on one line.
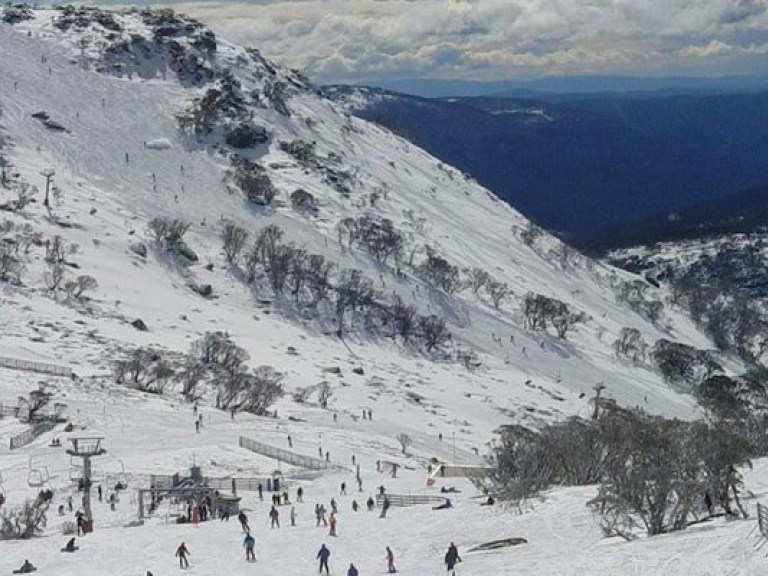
[[109, 202]]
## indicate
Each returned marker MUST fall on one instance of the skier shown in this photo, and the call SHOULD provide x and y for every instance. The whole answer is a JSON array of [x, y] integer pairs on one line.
[[452, 558], [384, 508], [370, 503], [260, 489], [323, 554], [334, 507], [293, 516], [300, 494], [248, 543], [390, 561], [320, 515], [352, 571], [244, 522], [182, 552], [332, 520], [343, 488], [274, 516], [290, 442], [354, 506], [100, 492]]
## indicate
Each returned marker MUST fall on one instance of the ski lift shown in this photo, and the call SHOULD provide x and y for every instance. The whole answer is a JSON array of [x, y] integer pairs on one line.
[[37, 477]]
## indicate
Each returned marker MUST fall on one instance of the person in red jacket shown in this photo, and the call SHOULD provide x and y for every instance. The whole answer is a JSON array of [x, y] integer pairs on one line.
[[391, 561], [182, 552]]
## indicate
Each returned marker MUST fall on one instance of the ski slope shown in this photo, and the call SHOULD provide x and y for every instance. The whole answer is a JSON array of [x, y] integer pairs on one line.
[[124, 161]]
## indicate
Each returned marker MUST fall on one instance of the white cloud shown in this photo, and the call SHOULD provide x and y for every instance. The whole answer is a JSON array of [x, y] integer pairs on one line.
[[489, 39]]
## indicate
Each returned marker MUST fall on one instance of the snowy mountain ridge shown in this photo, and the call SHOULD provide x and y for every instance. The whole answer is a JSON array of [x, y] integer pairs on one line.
[[143, 115]]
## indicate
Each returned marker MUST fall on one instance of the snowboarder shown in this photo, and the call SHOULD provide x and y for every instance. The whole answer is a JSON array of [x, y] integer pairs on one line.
[[274, 515], [244, 522], [332, 522], [452, 558], [182, 552], [26, 568], [70, 547], [323, 554], [352, 571], [248, 543], [390, 561]]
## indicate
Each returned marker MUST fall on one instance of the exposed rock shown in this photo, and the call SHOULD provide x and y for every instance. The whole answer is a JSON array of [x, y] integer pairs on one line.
[[496, 544], [55, 126], [139, 325], [358, 370], [15, 14], [302, 199], [247, 136], [139, 248], [205, 290], [183, 250], [332, 370]]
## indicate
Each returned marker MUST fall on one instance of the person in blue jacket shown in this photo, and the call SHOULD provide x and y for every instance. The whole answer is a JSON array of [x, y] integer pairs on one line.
[[323, 554], [452, 558]]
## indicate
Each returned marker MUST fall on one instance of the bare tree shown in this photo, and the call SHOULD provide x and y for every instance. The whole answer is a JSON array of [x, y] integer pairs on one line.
[[498, 291], [9, 264], [234, 238], [476, 279], [403, 318], [25, 521], [630, 344], [168, 232], [324, 394], [5, 164], [433, 331]]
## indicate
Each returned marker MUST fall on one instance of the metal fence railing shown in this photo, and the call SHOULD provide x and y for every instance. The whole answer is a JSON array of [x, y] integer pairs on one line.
[[31, 366], [406, 500], [31, 433], [267, 483], [288, 457]]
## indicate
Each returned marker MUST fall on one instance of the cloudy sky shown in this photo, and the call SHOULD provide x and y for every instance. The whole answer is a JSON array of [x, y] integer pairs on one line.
[[359, 40]]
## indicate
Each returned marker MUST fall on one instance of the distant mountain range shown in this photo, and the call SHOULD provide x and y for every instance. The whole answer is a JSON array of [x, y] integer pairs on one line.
[[594, 84], [601, 169]]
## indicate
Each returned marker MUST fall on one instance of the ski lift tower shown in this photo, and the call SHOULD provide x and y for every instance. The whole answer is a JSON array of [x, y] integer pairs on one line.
[[86, 448]]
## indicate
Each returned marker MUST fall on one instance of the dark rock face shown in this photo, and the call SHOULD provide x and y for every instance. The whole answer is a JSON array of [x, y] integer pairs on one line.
[[140, 325], [247, 136]]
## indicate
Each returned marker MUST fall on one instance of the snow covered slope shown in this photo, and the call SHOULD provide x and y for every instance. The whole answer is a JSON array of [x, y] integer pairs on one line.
[[111, 87]]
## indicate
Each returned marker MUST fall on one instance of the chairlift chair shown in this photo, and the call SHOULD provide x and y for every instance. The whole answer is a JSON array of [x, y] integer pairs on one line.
[[38, 477]]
